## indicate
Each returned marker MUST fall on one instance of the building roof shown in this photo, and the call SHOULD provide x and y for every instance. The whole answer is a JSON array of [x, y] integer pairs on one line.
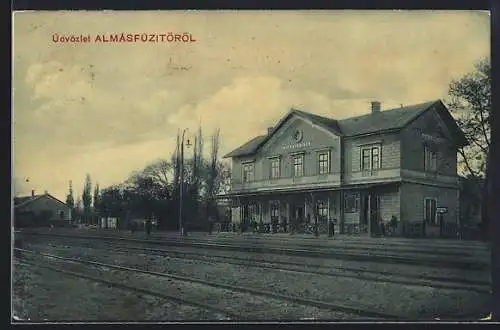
[[378, 122], [248, 148], [328, 123], [25, 200], [384, 120]]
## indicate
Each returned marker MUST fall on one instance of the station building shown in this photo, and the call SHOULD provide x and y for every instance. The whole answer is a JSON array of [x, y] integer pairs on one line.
[[394, 166]]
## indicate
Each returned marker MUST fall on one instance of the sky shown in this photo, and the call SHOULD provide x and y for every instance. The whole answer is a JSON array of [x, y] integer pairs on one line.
[[108, 109]]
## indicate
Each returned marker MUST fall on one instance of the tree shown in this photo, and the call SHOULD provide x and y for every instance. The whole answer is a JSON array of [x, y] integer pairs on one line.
[[213, 176], [70, 201], [111, 201], [87, 194], [78, 203], [96, 197], [470, 102], [176, 165], [194, 179], [150, 191]]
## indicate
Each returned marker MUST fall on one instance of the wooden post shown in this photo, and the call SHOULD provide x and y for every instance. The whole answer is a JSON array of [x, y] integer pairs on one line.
[[341, 210], [369, 215], [315, 214], [289, 218], [241, 217], [261, 208], [305, 205]]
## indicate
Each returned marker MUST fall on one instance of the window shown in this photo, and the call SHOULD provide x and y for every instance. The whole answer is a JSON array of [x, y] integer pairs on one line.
[[370, 158], [323, 163], [253, 212], [375, 158], [351, 203], [247, 172], [275, 168], [322, 209], [430, 159], [430, 206], [298, 165]]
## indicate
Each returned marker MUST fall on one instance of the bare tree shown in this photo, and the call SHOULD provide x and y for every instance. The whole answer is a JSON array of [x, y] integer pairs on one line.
[[470, 102], [195, 169], [212, 175], [176, 163]]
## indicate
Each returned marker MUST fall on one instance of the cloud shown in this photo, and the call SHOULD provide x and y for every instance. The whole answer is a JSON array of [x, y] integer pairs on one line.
[[250, 105], [106, 165], [244, 72], [48, 79]]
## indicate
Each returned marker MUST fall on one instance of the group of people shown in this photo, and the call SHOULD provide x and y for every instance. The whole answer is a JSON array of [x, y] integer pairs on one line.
[[148, 226], [388, 227]]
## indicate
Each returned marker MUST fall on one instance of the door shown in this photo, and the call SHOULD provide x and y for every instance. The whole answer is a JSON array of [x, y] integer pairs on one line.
[[246, 215], [365, 213], [370, 215], [430, 211], [299, 213]]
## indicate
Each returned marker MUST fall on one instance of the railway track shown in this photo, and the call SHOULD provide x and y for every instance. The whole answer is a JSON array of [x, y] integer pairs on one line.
[[423, 246], [471, 264], [334, 307], [361, 274], [351, 273], [115, 284]]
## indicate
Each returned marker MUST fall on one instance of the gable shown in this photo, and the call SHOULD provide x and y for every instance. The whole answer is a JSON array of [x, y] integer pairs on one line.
[[438, 125], [298, 133], [324, 124]]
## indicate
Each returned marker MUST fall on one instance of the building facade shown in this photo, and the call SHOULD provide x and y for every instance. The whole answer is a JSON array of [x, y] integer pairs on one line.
[[395, 167]]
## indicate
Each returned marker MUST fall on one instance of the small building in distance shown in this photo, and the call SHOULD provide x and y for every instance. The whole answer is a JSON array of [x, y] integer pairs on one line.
[[40, 210]]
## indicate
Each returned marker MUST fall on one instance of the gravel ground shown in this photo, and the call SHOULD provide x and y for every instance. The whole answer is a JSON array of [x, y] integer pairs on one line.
[[247, 306], [408, 301], [44, 295]]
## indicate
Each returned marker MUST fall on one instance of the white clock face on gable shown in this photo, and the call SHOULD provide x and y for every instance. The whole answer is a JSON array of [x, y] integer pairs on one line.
[[297, 135]]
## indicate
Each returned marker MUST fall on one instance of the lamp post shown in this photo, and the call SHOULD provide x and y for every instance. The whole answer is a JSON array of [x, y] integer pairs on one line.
[[181, 187]]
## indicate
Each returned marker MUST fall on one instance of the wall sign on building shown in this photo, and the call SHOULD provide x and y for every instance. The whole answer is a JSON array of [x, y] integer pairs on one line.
[[296, 145]]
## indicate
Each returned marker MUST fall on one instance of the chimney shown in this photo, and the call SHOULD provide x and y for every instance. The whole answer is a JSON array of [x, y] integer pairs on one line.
[[32, 192], [269, 130], [375, 106], [46, 192]]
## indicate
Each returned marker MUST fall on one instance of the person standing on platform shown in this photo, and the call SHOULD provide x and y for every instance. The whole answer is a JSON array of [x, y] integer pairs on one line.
[[148, 226], [133, 226], [331, 228], [382, 228]]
